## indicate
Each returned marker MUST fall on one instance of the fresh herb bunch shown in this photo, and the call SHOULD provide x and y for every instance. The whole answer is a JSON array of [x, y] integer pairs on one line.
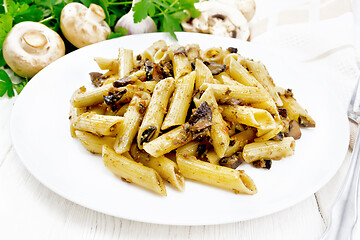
[[167, 14]]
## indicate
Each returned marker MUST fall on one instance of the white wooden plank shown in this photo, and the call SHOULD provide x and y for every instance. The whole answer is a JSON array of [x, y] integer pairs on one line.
[[6, 105], [27, 204]]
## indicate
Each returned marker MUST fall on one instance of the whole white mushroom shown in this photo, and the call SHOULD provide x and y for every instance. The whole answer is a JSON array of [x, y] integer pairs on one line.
[[31, 46], [83, 26]]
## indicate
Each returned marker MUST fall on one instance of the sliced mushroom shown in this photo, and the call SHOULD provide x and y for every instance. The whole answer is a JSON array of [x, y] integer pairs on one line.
[[200, 122], [215, 68], [97, 78], [113, 97], [147, 134], [232, 162], [283, 112], [262, 164], [31, 46], [294, 130], [123, 82], [304, 122], [83, 26], [278, 137], [218, 19]]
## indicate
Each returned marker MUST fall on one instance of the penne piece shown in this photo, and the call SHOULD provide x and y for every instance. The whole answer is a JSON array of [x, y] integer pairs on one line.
[[101, 125], [154, 115], [243, 93], [296, 112], [131, 123], [219, 132], [94, 143], [223, 177], [181, 63], [125, 62], [261, 74], [203, 74], [249, 116], [167, 142], [133, 172], [269, 150], [180, 102], [168, 169]]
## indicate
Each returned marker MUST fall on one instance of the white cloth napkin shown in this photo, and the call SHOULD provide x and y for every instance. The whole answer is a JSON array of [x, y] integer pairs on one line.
[[317, 34]]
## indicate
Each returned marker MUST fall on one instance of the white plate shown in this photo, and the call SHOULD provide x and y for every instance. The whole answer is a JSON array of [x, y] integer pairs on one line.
[[41, 137]]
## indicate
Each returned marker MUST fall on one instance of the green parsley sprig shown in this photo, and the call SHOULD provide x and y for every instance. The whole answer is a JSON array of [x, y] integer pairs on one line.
[[167, 14]]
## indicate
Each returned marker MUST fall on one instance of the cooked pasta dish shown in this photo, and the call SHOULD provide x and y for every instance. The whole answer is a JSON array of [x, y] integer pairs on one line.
[[179, 112]]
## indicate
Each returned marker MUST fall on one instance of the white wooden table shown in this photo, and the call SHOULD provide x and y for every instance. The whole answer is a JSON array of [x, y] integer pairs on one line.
[[28, 210]]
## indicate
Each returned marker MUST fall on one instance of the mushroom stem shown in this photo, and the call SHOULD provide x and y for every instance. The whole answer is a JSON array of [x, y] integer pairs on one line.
[[35, 39], [95, 13]]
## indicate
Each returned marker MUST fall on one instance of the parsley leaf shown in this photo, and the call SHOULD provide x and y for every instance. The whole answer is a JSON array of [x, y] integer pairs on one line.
[[20, 86], [6, 22], [120, 31], [167, 14], [142, 9], [5, 84], [170, 24]]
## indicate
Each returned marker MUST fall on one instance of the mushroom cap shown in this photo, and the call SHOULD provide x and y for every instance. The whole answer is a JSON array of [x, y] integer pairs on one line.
[[31, 46], [83, 26], [218, 19]]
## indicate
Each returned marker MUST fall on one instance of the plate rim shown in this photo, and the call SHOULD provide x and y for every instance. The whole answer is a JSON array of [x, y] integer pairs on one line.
[[139, 219]]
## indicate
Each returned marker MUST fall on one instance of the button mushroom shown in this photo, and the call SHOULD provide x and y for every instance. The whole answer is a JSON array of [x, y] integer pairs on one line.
[[147, 25], [83, 26], [218, 19], [31, 46]]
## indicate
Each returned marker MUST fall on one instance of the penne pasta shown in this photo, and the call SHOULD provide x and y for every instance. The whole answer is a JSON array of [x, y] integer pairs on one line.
[[168, 169], [190, 149], [176, 111], [219, 132], [249, 116], [167, 142], [213, 54], [133, 172], [241, 75], [180, 102], [259, 71], [100, 125], [269, 150], [296, 112], [94, 143], [203, 74], [243, 93], [107, 64], [223, 177], [125, 62], [154, 115], [237, 143], [181, 63], [225, 79], [131, 123], [150, 52]]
